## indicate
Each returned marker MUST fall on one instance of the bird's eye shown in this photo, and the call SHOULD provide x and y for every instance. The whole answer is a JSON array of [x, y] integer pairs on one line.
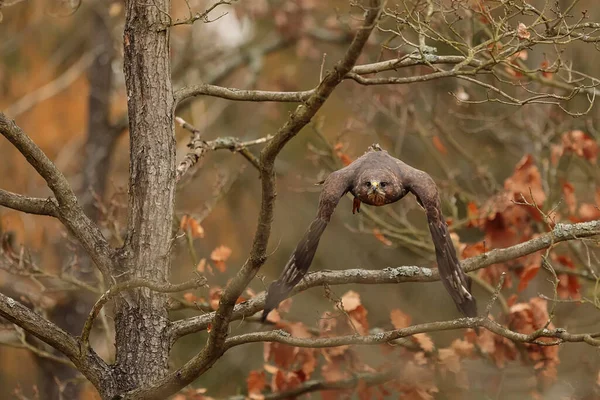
[[383, 184], [368, 184]]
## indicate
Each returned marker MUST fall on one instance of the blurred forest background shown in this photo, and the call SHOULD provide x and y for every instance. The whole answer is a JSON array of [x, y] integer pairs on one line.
[[475, 152]]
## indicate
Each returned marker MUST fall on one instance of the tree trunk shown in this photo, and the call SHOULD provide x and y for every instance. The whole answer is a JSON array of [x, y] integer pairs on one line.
[[141, 319]]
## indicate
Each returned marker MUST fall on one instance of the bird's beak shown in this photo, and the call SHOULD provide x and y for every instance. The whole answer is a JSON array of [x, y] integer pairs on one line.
[[374, 186]]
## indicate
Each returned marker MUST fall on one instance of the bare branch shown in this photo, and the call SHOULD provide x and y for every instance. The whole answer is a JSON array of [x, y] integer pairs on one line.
[[378, 338], [199, 148], [88, 363], [561, 232], [70, 212], [369, 379], [29, 205], [132, 284], [240, 94]]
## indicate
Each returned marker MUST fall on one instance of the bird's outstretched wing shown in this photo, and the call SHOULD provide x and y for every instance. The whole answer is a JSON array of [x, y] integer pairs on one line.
[[456, 282], [336, 185]]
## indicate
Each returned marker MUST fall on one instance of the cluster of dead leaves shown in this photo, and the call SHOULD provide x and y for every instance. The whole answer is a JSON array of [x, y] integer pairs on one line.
[[287, 367], [507, 219], [338, 148], [527, 318], [218, 256], [191, 226], [512, 217]]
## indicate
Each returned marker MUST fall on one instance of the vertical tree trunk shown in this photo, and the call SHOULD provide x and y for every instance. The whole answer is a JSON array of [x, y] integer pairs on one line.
[[141, 317]]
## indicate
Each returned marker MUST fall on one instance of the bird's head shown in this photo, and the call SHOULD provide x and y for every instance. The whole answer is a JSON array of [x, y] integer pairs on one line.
[[378, 187]]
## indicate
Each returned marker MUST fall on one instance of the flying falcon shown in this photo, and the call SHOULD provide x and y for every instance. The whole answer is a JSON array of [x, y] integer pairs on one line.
[[377, 179]]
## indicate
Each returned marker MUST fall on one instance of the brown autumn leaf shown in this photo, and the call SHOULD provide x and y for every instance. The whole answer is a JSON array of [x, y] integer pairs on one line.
[[569, 196], [544, 66], [424, 340], [201, 267], [512, 300], [472, 250], [500, 349], [568, 287], [332, 372], [588, 212], [350, 300], [472, 213], [439, 145], [379, 236], [190, 297], [358, 318], [285, 305], [274, 317], [581, 144], [449, 360], [214, 296], [399, 319], [189, 224], [256, 382], [526, 181], [345, 158], [270, 368], [528, 273], [462, 347], [219, 256], [522, 32]]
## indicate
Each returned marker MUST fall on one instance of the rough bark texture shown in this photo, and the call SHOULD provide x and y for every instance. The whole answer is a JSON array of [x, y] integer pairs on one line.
[[141, 319]]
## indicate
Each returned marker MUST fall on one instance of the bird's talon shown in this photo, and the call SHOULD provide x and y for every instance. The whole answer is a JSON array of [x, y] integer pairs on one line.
[[355, 205]]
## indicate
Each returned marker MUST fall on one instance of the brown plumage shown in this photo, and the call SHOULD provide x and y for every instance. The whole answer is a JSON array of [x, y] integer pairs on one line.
[[376, 178]]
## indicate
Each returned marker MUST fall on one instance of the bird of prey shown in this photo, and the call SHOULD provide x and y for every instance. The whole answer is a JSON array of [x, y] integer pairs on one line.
[[377, 179]]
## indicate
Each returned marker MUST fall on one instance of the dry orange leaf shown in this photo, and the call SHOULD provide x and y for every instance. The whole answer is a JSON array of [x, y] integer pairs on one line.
[[190, 297], [529, 272], [379, 236], [345, 158], [462, 347], [256, 382], [189, 224], [201, 267], [522, 31], [588, 212], [424, 340], [219, 256], [439, 146], [399, 319], [526, 181], [351, 300], [544, 67], [450, 360]]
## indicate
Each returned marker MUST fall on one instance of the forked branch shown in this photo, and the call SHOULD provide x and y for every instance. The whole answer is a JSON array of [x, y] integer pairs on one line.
[[68, 210]]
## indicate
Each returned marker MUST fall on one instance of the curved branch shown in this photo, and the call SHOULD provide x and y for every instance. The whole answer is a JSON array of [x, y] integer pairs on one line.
[[132, 284], [240, 94], [561, 232], [69, 211], [462, 323], [369, 379], [89, 364], [354, 73], [29, 205]]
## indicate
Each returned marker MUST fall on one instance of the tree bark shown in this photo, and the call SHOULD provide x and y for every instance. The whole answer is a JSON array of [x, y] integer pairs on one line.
[[141, 319]]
